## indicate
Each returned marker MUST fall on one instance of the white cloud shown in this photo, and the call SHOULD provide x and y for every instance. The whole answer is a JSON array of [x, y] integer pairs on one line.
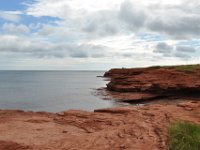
[[108, 17], [13, 16], [43, 49], [107, 31], [15, 29], [63, 8]]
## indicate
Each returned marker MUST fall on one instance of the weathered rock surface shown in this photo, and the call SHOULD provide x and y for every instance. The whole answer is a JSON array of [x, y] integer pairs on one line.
[[131, 128], [154, 82]]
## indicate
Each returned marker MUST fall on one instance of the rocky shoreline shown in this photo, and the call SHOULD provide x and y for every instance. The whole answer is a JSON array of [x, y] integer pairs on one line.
[[130, 127], [146, 84]]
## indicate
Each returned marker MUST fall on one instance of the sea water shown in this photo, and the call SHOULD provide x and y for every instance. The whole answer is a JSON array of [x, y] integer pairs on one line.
[[52, 91]]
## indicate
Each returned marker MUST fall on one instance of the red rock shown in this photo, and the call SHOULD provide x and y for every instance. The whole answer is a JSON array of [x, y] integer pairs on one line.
[[129, 127], [156, 81]]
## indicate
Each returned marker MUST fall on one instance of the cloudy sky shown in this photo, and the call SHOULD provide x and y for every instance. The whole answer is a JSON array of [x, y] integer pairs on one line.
[[98, 35]]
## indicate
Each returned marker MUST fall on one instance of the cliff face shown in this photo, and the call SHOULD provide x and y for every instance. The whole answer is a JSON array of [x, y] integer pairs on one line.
[[154, 82]]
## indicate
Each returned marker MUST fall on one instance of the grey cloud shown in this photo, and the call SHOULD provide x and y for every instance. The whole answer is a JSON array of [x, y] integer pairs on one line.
[[164, 49], [182, 56], [87, 50], [98, 55], [127, 55], [184, 52], [190, 6], [131, 15], [79, 55], [180, 51], [175, 21], [70, 50], [180, 21], [158, 18], [130, 18], [101, 23], [180, 27], [41, 49], [187, 49], [112, 22]]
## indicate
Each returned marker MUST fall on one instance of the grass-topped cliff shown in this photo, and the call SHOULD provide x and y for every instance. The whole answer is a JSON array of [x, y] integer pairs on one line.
[[153, 82], [183, 68]]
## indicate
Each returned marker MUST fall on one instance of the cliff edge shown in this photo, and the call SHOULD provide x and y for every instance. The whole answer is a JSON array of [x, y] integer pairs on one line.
[[142, 84]]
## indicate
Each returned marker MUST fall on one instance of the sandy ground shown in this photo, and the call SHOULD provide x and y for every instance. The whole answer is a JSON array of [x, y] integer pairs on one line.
[[132, 128]]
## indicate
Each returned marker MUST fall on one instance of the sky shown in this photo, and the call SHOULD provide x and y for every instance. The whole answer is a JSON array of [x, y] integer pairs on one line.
[[98, 35]]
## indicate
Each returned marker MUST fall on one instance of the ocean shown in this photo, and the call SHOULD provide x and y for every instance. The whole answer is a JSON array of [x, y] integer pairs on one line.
[[52, 91]]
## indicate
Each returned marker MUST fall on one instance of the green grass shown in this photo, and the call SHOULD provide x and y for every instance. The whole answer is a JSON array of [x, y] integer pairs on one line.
[[184, 136], [183, 68], [186, 68]]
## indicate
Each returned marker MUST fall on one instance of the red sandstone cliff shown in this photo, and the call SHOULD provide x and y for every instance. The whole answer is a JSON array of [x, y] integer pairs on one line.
[[154, 82]]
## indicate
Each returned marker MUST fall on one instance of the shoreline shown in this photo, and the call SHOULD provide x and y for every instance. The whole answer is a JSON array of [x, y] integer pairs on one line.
[[111, 128], [128, 127]]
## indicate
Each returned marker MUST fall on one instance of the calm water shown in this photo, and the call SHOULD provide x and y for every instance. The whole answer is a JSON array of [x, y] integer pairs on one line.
[[51, 90]]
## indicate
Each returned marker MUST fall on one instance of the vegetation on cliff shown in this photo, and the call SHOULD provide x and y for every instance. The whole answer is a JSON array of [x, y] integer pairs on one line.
[[185, 68], [131, 71]]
